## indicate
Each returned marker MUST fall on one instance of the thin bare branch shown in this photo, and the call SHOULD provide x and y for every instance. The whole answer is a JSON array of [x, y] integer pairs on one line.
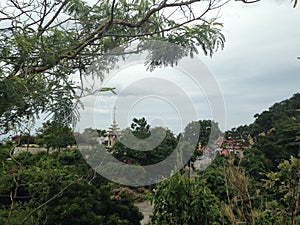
[[248, 2], [155, 32], [295, 3], [51, 199], [53, 18]]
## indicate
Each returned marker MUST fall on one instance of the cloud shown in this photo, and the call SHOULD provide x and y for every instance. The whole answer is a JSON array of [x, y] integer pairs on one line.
[[257, 68]]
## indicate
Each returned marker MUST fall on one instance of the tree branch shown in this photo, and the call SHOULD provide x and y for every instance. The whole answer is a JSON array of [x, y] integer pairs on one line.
[[99, 32], [248, 2], [53, 18], [152, 11], [155, 32]]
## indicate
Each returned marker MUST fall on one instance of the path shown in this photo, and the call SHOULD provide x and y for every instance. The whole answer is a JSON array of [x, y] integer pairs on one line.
[[146, 208]]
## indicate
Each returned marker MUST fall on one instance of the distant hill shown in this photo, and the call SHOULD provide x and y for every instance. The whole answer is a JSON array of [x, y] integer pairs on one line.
[[276, 131]]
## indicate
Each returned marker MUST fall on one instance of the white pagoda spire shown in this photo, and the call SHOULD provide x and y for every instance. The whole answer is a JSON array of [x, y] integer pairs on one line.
[[113, 131], [114, 126]]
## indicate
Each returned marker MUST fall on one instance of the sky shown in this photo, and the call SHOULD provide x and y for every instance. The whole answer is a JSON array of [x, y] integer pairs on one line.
[[257, 68], [259, 64]]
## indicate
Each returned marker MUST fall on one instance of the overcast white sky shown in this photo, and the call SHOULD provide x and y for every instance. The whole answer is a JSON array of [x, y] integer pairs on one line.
[[257, 68], [259, 64]]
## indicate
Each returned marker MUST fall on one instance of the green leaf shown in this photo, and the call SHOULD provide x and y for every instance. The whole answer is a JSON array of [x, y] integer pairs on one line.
[[105, 89]]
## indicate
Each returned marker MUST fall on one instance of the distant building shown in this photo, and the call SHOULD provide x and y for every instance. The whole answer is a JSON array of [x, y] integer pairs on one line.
[[230, 146], [113, 133]]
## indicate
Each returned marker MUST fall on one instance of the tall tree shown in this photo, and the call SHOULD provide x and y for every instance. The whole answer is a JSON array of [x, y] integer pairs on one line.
[[133, 151], [285, 185], [140, 127], [44, 42], [183, 200], [56, 136]]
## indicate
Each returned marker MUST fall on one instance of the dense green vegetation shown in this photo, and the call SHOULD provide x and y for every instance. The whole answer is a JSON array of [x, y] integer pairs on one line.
[[183, 200], [46, 42], [262, 187], [59, 188], [54, 135]]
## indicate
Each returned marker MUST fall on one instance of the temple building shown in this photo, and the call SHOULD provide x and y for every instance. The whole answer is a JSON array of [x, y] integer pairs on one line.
[[113, 132]]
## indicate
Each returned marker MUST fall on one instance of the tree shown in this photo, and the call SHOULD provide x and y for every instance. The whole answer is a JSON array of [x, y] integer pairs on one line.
[[183, 200], [140, 127], [56, 136], [239, 207], [255, 163], [209, 132], [59, 188], [199, 135], [285, 184], [230, 183], [43, 43], [215, 177], [133, 151], [89, 136]]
